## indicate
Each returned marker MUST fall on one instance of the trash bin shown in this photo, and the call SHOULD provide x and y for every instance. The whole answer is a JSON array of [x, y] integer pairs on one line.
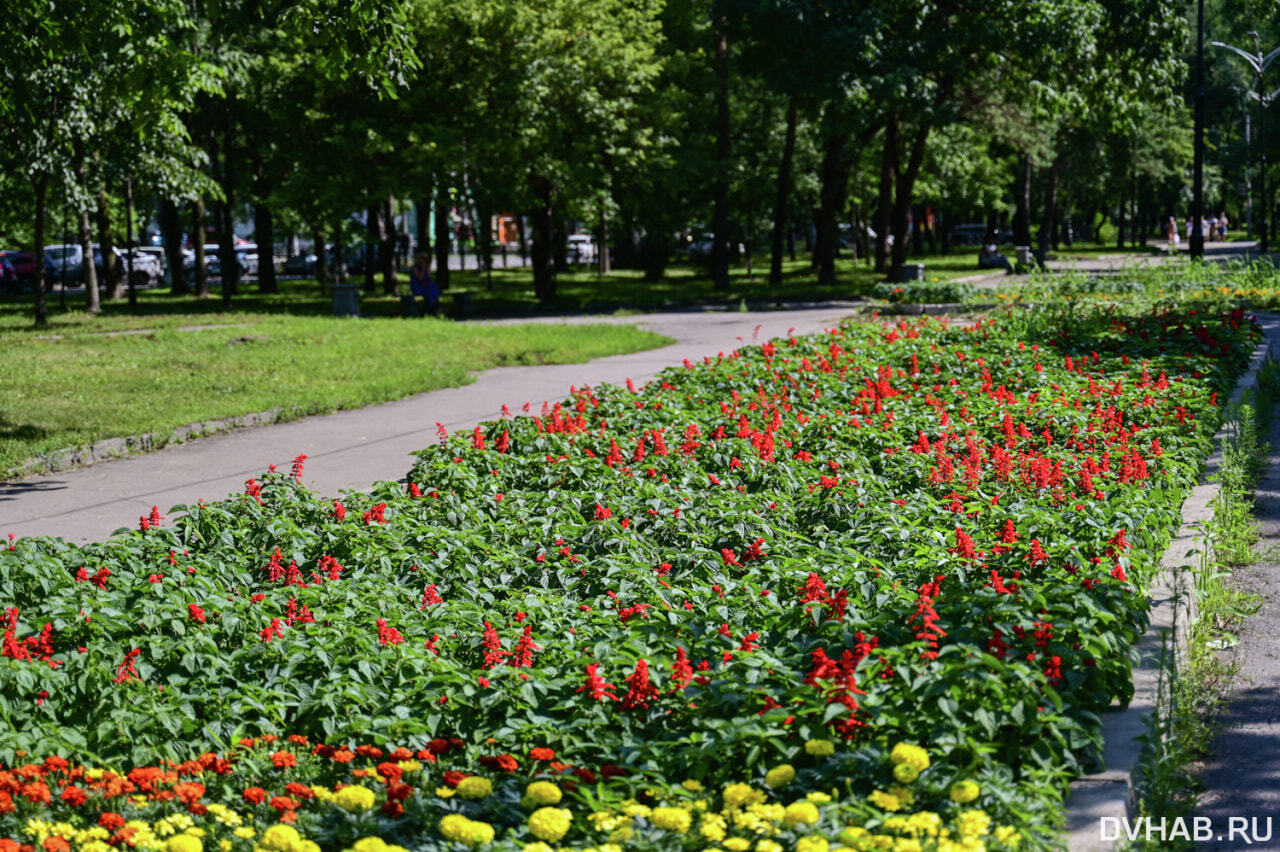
[[912, 272], [462, 304], [346, 300]]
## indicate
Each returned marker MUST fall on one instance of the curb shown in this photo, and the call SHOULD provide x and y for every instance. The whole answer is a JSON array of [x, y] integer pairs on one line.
[[114, 448], [1111, 792]]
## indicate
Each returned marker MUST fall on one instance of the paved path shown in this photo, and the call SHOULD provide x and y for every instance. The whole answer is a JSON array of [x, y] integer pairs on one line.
[[354, 449], [1241, 776]]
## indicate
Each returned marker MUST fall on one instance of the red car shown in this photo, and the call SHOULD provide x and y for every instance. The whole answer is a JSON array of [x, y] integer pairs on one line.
[[24, 267]]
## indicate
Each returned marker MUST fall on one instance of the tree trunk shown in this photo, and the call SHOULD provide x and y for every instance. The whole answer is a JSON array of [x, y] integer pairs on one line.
[[884, 203], [784, 193], [228, 268], [322, 259], [1049, 226], [559, 239], [602, 250], [387, 241], [832, 197], [111, 276], [720, 216], [544, 279], [443, 240], [902, 202], [1022, 209], [264, 236], [171, 230], [200, 269], [227, 237], [339, 254], [1120, 219], [372, 237], [88, 275], [40, 187], [423, 234]]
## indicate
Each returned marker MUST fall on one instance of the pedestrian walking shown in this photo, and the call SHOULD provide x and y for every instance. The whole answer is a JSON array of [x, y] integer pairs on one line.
[[1171, 233]]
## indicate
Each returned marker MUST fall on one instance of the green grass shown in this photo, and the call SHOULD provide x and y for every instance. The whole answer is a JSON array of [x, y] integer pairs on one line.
[[81, 381]]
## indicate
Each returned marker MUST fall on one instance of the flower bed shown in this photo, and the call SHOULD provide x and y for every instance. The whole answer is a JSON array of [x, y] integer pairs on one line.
[[806, 554]]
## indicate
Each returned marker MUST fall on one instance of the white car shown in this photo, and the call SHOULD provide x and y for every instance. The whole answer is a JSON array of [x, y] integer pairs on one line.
[[582, 248]]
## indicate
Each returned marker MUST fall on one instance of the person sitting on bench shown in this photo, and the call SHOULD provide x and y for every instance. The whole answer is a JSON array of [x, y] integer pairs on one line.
[[990, 257]]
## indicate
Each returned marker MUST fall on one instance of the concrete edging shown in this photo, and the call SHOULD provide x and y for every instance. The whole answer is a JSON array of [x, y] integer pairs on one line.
[[1111, 792], [113, 448]]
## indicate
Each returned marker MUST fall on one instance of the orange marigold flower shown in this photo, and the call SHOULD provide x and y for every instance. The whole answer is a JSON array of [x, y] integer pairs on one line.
[[284, 759], [255, 795], [281, 803], [111, 821], [56, 844], [289, 817], [343, 755], [542, 753], [74, 796]]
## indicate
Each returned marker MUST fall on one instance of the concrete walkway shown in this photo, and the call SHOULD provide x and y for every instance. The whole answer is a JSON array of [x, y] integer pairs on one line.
[[1241, 776], [354, 449]]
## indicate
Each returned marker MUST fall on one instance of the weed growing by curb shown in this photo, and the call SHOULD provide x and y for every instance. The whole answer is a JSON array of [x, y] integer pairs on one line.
[[1194, 683]]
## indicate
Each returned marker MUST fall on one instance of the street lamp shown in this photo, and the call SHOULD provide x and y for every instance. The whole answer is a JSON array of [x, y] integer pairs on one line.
[[1259, 63], [1196, 249]]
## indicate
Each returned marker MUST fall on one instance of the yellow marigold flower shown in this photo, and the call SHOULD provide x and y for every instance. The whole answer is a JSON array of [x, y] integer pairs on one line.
[[818, 797], [479, 833], [322, 794], [910, 754], [312, 846], [541, 793], [244, 833], [692, 785], [223, 846], [354, 798], [609, 847], [1008, 835], [445, 792], [623, 834], [550, 824], [635, 809], [972, 824], [184, 843], [820, 748], [887, 801], [853, 835], [280, 838], [712, 827], [780, 776], [906, 773], [964, 792], [539, 846], [369, 844], [475, 787], [801, 813], [671, 819], [737, 844], [409, 766], [100, 846], [925, 822], [812, 843], [902, 794], [606, 820], [768, 846], [454, 827], [740, 795], [907, 844]]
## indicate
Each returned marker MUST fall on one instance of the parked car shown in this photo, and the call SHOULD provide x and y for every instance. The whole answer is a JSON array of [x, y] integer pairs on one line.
[[147, 269], [24, 265], [8, 275], [581, 248], [68, 261], [968, 235]]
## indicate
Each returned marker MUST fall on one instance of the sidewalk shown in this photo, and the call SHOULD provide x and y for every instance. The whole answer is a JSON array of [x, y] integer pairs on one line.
[[354, 449]]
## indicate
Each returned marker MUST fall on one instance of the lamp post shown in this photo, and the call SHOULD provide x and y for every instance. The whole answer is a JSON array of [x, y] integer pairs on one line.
[[1259, 63], [1196, 249]]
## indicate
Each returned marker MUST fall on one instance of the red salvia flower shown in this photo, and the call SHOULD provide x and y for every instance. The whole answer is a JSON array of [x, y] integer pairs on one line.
[[596, 686]]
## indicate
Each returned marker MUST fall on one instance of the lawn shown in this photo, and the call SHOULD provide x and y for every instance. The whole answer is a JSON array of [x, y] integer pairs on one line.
[[86, 379]]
